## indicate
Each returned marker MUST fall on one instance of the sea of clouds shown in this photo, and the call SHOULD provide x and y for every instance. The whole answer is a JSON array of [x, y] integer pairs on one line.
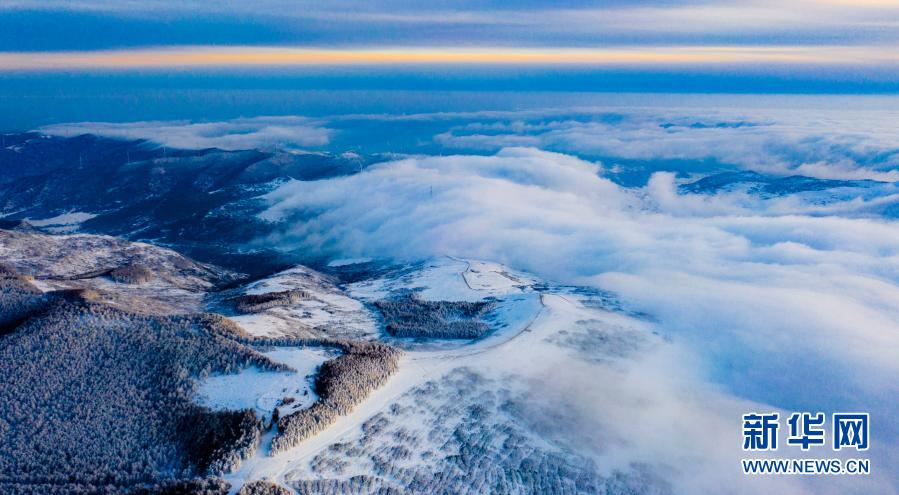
[[236, 134], [787, 300], [758, 288], [824, 144], [782, 300]]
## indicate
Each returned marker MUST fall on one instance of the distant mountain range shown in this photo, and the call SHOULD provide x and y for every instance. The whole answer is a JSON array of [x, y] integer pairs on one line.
[[202, 202], [770, 185], [205, 203]]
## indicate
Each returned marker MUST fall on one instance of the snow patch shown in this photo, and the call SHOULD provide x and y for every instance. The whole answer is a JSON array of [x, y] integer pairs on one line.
[[66, 222], [324, 307], [262, 390], [70, 218], [348, 261], [447, 279]]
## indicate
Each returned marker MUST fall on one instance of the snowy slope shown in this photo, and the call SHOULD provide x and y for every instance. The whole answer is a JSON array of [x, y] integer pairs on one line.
[[263, 391], [327, 311]]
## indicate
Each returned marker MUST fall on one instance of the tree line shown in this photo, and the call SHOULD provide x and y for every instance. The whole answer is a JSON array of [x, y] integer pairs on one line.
[[102, 399], [409, 316]]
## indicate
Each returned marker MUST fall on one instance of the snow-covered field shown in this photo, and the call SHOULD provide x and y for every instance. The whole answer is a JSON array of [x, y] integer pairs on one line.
[[176, 285], [63, 223], [447, 279], [492, 278], [327, 311], [524, 322], [547, 399], [263, 391]]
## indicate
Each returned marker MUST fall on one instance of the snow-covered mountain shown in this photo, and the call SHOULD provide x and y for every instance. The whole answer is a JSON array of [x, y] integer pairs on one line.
[[203, 202], [278, 322]]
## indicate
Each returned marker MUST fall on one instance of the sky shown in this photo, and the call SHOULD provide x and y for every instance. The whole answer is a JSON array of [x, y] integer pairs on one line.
[[554, 137], [775, 285], [355, 24], [64, 61], [849, 42]]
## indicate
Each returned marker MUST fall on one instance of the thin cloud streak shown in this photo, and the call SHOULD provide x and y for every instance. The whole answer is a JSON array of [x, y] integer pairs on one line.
[[200, 56], [102, 24]]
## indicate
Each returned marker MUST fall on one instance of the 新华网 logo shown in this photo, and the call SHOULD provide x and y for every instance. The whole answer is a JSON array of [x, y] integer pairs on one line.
[[849, 430], [806, 430]]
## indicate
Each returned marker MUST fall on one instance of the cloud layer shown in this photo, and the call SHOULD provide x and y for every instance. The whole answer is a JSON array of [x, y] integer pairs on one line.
[[767, 298], [834, 144], [780, 306], [823, 144], [237, 134], [491, 23]]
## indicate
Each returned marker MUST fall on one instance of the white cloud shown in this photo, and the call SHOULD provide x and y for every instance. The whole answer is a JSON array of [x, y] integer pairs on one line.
[[866, 19], [780, 307], [786, 300], [824, 144], [237, 134]]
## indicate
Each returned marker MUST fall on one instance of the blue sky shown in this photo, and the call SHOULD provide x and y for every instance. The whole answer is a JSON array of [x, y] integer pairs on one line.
[[789, 300], [835, 39], [98, 24], [120, 60], [643, 32]]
